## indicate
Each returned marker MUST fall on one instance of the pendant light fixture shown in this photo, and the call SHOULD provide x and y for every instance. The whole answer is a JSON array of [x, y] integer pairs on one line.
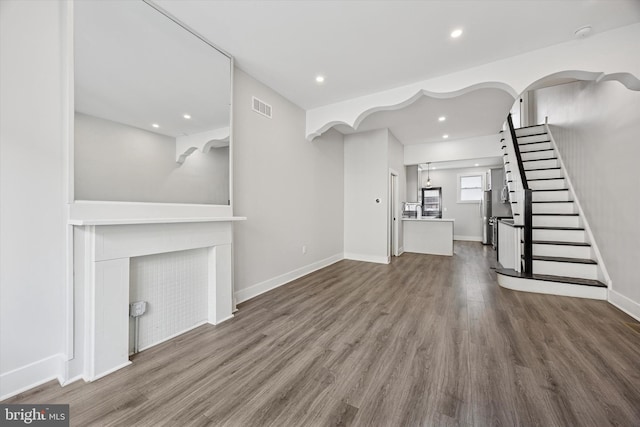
[[428, 177]]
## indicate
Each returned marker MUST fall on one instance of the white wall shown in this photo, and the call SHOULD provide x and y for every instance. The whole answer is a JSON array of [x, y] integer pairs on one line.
[[460, 149], [366, 178], [32, 194], [468, 222], [117, 162], [411, 190], [291, 191], [597, 129]]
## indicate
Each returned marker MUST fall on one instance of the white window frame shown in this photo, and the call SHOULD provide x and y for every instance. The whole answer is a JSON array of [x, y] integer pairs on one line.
[[465, 175]]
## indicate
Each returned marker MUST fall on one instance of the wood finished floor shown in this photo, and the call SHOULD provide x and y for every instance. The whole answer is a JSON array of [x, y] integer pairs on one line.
[[424, 341]]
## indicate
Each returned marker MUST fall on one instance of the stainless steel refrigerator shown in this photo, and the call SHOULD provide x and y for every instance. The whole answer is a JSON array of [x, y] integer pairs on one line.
[[485, 212]]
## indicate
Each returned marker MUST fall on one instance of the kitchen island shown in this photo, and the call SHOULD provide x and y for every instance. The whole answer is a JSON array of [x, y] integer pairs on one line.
[[428, 235]]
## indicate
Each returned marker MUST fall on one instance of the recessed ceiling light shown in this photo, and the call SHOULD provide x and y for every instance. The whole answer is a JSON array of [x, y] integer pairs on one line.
[[155, 125], [442, 118], [445, 136], [433, 168], [320, 79], [583, 32], [476, 164], [187, 116], [456, 33]]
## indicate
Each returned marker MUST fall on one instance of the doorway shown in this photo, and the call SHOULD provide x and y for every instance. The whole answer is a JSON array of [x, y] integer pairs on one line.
[[392, 243]]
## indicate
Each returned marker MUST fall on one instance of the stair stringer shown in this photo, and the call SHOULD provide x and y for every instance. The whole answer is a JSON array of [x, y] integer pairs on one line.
[[603, 274]]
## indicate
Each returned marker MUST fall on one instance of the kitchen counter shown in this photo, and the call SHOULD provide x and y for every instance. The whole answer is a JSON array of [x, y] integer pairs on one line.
[[428, 235], [425, 218]]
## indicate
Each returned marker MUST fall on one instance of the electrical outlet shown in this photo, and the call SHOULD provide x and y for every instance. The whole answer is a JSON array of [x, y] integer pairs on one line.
[[137, 309], [304, 249]]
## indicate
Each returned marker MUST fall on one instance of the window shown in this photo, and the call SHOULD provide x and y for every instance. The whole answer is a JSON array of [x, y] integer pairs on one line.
[[469, 188]]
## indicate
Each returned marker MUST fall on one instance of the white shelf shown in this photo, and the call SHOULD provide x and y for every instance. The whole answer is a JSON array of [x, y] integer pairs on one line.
[[127, 221]]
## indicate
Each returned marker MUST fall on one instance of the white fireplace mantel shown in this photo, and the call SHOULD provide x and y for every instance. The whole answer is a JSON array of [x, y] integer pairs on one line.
[[103, 248]]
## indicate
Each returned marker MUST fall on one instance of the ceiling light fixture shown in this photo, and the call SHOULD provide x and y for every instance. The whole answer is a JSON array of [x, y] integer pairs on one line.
[[456, 33], [445, 136], [476, 164], [428, 177], [319, 79], [155, 125], [442, 118], [187, 116]]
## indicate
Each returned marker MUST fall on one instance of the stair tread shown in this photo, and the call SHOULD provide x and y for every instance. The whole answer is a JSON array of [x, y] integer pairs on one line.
[[552, 189], [554, 242], [564, 259], [533, 134], [536, 151], [555, 214], [543, 179], [542, 227], [528, 127], [553, 201], [542, 169], [529, 143], [550, 278], [540, 160]]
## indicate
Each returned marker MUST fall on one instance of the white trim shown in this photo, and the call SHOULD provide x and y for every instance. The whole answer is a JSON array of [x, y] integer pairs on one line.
[[275, 282], [231, 316], [367, 258], [400, 250], [625, 304], [110, 371], [468, 238], [32, 375], [601, 267], [551, 288]]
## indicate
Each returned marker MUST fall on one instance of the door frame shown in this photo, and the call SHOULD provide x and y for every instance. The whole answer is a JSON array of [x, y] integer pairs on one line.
[[392, 215]]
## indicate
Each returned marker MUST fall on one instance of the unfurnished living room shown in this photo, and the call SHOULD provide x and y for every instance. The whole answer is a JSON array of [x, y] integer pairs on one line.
[[315, 213]]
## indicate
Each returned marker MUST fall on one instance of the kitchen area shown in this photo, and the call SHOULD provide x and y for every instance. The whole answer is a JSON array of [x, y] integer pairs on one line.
[[448, 201]]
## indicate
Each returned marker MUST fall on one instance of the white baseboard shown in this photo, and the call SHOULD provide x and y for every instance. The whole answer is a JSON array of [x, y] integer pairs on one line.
[[468, 238], [110, 371], [262, 287], [367, 258], [32, 375], [625, 304], [400, 250]]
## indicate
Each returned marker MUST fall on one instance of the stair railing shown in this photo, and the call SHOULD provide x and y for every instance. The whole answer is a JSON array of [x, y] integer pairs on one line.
[[527, 208]]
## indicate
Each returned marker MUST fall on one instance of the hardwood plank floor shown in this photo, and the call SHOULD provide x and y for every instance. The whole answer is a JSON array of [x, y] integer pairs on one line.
[[424, 341]]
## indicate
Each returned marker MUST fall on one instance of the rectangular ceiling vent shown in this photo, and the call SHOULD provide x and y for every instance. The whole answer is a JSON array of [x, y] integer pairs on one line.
[[261, 107]]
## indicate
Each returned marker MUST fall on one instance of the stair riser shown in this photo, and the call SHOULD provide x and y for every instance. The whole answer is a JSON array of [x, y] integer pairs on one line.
[[541, 164], [537, 155], [560, 235], [556, 221], [568, 269], [562, 251], [551, 184], [553, 208], [535, 147], [532, 138], [550, 196], [530, 131], [553, 173]]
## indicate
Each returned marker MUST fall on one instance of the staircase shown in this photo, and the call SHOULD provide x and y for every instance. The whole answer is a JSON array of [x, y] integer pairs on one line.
[[563, 260]]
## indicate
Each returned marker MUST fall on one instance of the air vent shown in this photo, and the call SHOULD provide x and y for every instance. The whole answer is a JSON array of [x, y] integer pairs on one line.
[[261, 107]]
